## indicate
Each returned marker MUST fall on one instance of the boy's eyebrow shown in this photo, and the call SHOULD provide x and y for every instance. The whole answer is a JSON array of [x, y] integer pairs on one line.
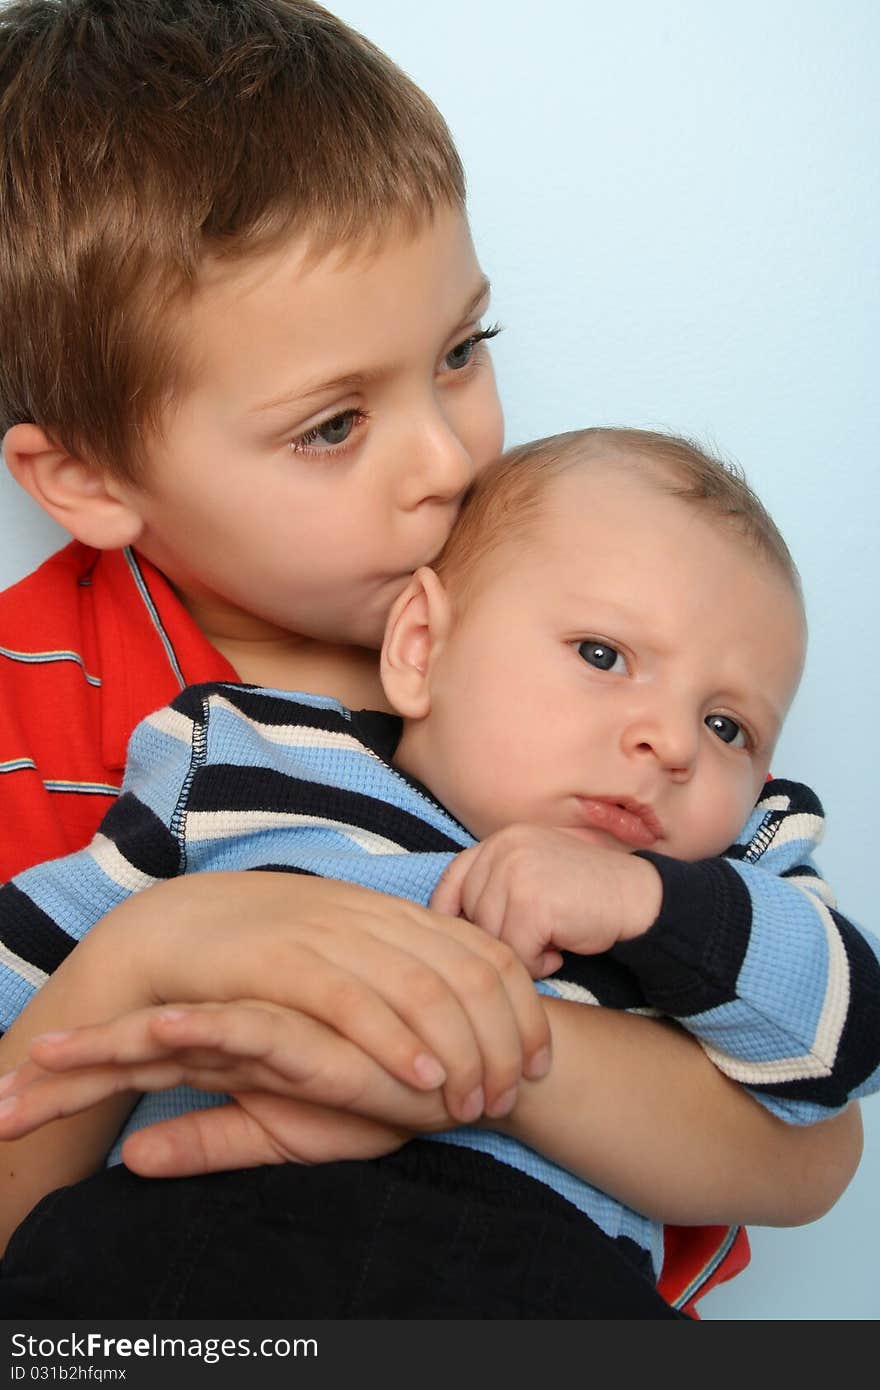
[[353, 380]]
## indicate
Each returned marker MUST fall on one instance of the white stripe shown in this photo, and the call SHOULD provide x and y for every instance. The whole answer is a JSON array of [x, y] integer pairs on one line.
[[576, 993], [295, 735], [22, 968], [223, 825], [153, 612], [815, 887], [86, 788], [804, 826], [754, 1073], [173, 723], [819, 1061], [117, 868], [774, 803]]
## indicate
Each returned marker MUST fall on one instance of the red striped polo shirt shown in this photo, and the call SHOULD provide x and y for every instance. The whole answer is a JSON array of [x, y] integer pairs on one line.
[[90, 644]]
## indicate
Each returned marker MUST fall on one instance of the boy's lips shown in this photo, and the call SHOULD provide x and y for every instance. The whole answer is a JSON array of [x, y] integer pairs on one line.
[[631, 822]]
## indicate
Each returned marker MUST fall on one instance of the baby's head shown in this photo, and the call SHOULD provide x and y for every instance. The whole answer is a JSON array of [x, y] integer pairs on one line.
[[609, 643], [237, 283]]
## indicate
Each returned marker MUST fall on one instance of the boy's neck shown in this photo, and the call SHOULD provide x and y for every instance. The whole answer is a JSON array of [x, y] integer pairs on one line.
[[350, 674], [264, 654]]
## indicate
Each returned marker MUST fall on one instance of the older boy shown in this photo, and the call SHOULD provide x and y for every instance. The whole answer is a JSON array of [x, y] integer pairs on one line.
[[560, 673], [242, 316]]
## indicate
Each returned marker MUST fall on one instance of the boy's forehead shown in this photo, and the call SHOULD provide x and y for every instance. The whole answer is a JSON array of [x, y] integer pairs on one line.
[[301, 251], [300, 287], [345, 301]]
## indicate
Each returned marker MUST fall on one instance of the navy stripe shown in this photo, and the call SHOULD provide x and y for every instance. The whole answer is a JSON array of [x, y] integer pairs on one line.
[[226, 787], [614, 985], [801, 800], [143, 839], [693, 954], [261, 707], [28, 932]]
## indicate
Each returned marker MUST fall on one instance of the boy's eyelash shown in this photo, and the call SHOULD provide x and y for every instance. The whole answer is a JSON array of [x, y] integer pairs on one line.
[[483, 334], [303, 443]]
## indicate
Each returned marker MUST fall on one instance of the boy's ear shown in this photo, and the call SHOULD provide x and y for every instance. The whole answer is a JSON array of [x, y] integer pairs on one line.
[[80, 496], [416, 629]]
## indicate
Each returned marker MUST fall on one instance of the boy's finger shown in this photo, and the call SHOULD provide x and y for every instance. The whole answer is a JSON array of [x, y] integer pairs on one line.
[[39, 1101], [202, 1141], [149, 1034], [121, 1041]]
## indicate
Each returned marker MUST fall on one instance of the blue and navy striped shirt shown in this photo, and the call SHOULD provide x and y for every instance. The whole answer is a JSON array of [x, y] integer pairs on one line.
[[748, 952]]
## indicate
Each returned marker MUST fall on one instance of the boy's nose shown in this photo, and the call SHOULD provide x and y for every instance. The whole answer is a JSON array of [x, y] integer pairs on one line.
[[439, 467], [671, 739]]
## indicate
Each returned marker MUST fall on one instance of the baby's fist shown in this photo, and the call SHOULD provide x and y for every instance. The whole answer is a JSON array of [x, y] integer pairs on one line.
[[543, 891]]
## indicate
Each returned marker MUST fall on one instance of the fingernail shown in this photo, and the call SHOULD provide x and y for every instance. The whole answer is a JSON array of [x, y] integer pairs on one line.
[[172, 1015], [429, 1070], [539, 1064], [504, 1104], [7, 1106], [472, 1106], [52, 1037]]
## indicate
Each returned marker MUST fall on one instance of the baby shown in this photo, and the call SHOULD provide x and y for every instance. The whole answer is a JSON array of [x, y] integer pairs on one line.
[[589, 687]]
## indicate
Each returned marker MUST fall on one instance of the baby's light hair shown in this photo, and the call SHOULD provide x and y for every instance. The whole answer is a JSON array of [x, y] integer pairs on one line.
[[507, 497], [140, 137]]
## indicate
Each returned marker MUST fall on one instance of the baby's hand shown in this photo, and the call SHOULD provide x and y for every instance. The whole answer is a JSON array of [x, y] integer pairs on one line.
[[543, 891]]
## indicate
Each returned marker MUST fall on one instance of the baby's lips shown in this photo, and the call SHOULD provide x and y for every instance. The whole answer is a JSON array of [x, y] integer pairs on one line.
[[633, 824]]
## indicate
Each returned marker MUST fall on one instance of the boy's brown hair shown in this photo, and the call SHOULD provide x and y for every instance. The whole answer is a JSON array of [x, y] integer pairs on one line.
[[507, 497], [138, 137]]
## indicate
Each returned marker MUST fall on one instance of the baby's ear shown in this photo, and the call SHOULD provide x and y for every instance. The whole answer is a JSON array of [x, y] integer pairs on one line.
[[80, 496], [414, 634]]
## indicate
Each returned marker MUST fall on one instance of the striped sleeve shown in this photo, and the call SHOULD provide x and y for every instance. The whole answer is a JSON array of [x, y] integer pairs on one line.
[[752, 956], [47, 909]]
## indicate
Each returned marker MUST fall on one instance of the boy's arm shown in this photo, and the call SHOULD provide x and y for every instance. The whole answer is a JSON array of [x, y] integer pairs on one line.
[[751, 956], [621, 1086], [632, 1106], [355, 963], [403, 993]]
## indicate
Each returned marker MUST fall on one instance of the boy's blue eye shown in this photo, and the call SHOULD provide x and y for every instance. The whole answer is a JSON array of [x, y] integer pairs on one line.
[[332, 432], [461, 355], [727, 730], [601, 655], [335, 431]]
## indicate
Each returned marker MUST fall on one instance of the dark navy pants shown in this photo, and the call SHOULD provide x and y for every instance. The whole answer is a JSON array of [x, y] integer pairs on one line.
[[433, 1231]]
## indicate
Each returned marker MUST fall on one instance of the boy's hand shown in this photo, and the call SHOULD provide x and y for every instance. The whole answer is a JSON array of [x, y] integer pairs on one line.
[[299, 1092], [408, 987], [543, 891]]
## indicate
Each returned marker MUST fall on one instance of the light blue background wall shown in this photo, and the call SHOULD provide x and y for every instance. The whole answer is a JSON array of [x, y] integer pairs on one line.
[[678, 206]]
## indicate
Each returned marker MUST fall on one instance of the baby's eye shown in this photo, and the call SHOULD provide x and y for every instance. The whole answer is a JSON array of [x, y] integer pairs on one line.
[[462, 354], [330, 432], [727, 730], [601, 655]]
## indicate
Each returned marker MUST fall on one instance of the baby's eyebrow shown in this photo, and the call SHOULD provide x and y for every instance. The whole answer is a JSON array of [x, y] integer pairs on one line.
[[354, 381]]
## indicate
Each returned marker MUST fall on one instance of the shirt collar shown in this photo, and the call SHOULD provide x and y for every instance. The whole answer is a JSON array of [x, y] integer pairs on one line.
[[149, 646]]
